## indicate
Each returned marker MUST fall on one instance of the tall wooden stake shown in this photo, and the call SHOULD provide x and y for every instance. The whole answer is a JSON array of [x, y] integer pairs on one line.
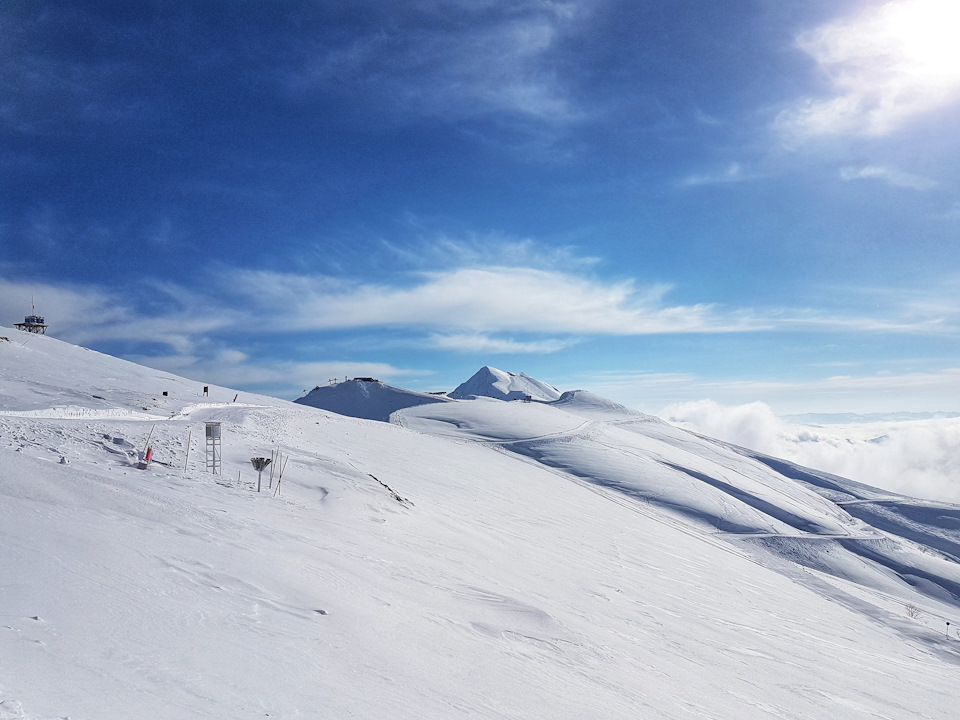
[[281, 476], [274, 459], [189, 435]]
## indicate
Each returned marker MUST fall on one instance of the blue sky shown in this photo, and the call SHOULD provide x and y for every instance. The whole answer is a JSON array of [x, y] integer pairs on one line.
[[659, 201]]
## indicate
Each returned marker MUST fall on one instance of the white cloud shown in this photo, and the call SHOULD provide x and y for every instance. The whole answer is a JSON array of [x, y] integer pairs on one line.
[[753, 425], [705, 119], [490, 299], [489, 309], [484, 249], [734, 173], [483, 64], [919, 457], [888, 175], [483, 343], [888, 64], [875, 393], [88, 315]]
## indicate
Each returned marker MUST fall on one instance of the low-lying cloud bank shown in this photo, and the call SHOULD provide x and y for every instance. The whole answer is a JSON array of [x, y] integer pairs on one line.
[[920, 458]]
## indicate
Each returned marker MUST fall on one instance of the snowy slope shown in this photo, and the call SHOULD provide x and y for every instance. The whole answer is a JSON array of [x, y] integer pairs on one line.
[[767, 507], [504, 567], [491, 382], [588, 405], [372, 400]]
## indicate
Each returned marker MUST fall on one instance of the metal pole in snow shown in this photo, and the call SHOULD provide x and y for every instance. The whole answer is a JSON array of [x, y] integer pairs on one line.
[[274, 458], [189, 435], [147, 444], [259, 463], [279, 479]]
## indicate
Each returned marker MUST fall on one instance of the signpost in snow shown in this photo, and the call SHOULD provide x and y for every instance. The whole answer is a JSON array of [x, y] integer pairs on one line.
[[259, 463]]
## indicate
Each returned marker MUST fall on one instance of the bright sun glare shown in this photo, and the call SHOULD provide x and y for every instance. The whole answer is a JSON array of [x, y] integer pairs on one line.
[[921, 38], [891, 62]]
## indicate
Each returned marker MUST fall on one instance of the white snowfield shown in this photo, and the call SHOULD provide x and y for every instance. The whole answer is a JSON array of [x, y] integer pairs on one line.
[[477, 558]]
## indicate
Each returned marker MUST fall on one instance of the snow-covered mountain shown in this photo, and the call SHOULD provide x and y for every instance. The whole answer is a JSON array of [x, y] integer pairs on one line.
[[569, 559], [594, 407], [365, 398], [490, 382]]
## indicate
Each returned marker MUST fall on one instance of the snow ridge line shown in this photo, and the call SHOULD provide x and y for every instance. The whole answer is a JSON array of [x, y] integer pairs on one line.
[[78, 412]]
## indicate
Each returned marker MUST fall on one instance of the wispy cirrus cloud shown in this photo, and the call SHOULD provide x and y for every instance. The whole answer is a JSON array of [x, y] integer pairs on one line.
[[470, 309], [891, 176], [734, 173], [217, 329], [493, 61], [49, 90], [482, 343], [484, 299], [933, 308], [859, 392], [435, 250], [888, 64], [87, 315]]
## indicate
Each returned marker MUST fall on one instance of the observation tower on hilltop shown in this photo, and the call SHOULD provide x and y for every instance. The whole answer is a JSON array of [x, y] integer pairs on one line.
[[32, 323]]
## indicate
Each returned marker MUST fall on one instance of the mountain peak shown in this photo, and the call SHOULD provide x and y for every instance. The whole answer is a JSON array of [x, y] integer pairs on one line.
[[492, 382]]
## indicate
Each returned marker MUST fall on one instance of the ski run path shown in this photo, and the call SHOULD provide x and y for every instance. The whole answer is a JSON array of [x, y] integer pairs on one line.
[[474, 558]]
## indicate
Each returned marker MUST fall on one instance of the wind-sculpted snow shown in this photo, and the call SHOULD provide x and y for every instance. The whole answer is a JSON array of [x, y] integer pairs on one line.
[[927, 523], [488, 419], [489, 560], [637, 458], [586, 404], [714, 486]]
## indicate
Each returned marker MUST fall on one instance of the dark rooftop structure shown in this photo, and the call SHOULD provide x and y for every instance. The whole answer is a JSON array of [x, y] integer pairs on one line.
[[33, 324]]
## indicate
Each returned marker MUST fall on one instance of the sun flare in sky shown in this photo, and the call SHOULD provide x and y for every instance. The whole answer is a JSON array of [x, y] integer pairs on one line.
[[923, 38], [890, 63]]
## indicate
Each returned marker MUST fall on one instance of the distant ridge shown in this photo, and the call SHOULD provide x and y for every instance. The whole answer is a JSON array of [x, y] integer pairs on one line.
[[858, 418], [594, 407], [491, 382], [366, 398]]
